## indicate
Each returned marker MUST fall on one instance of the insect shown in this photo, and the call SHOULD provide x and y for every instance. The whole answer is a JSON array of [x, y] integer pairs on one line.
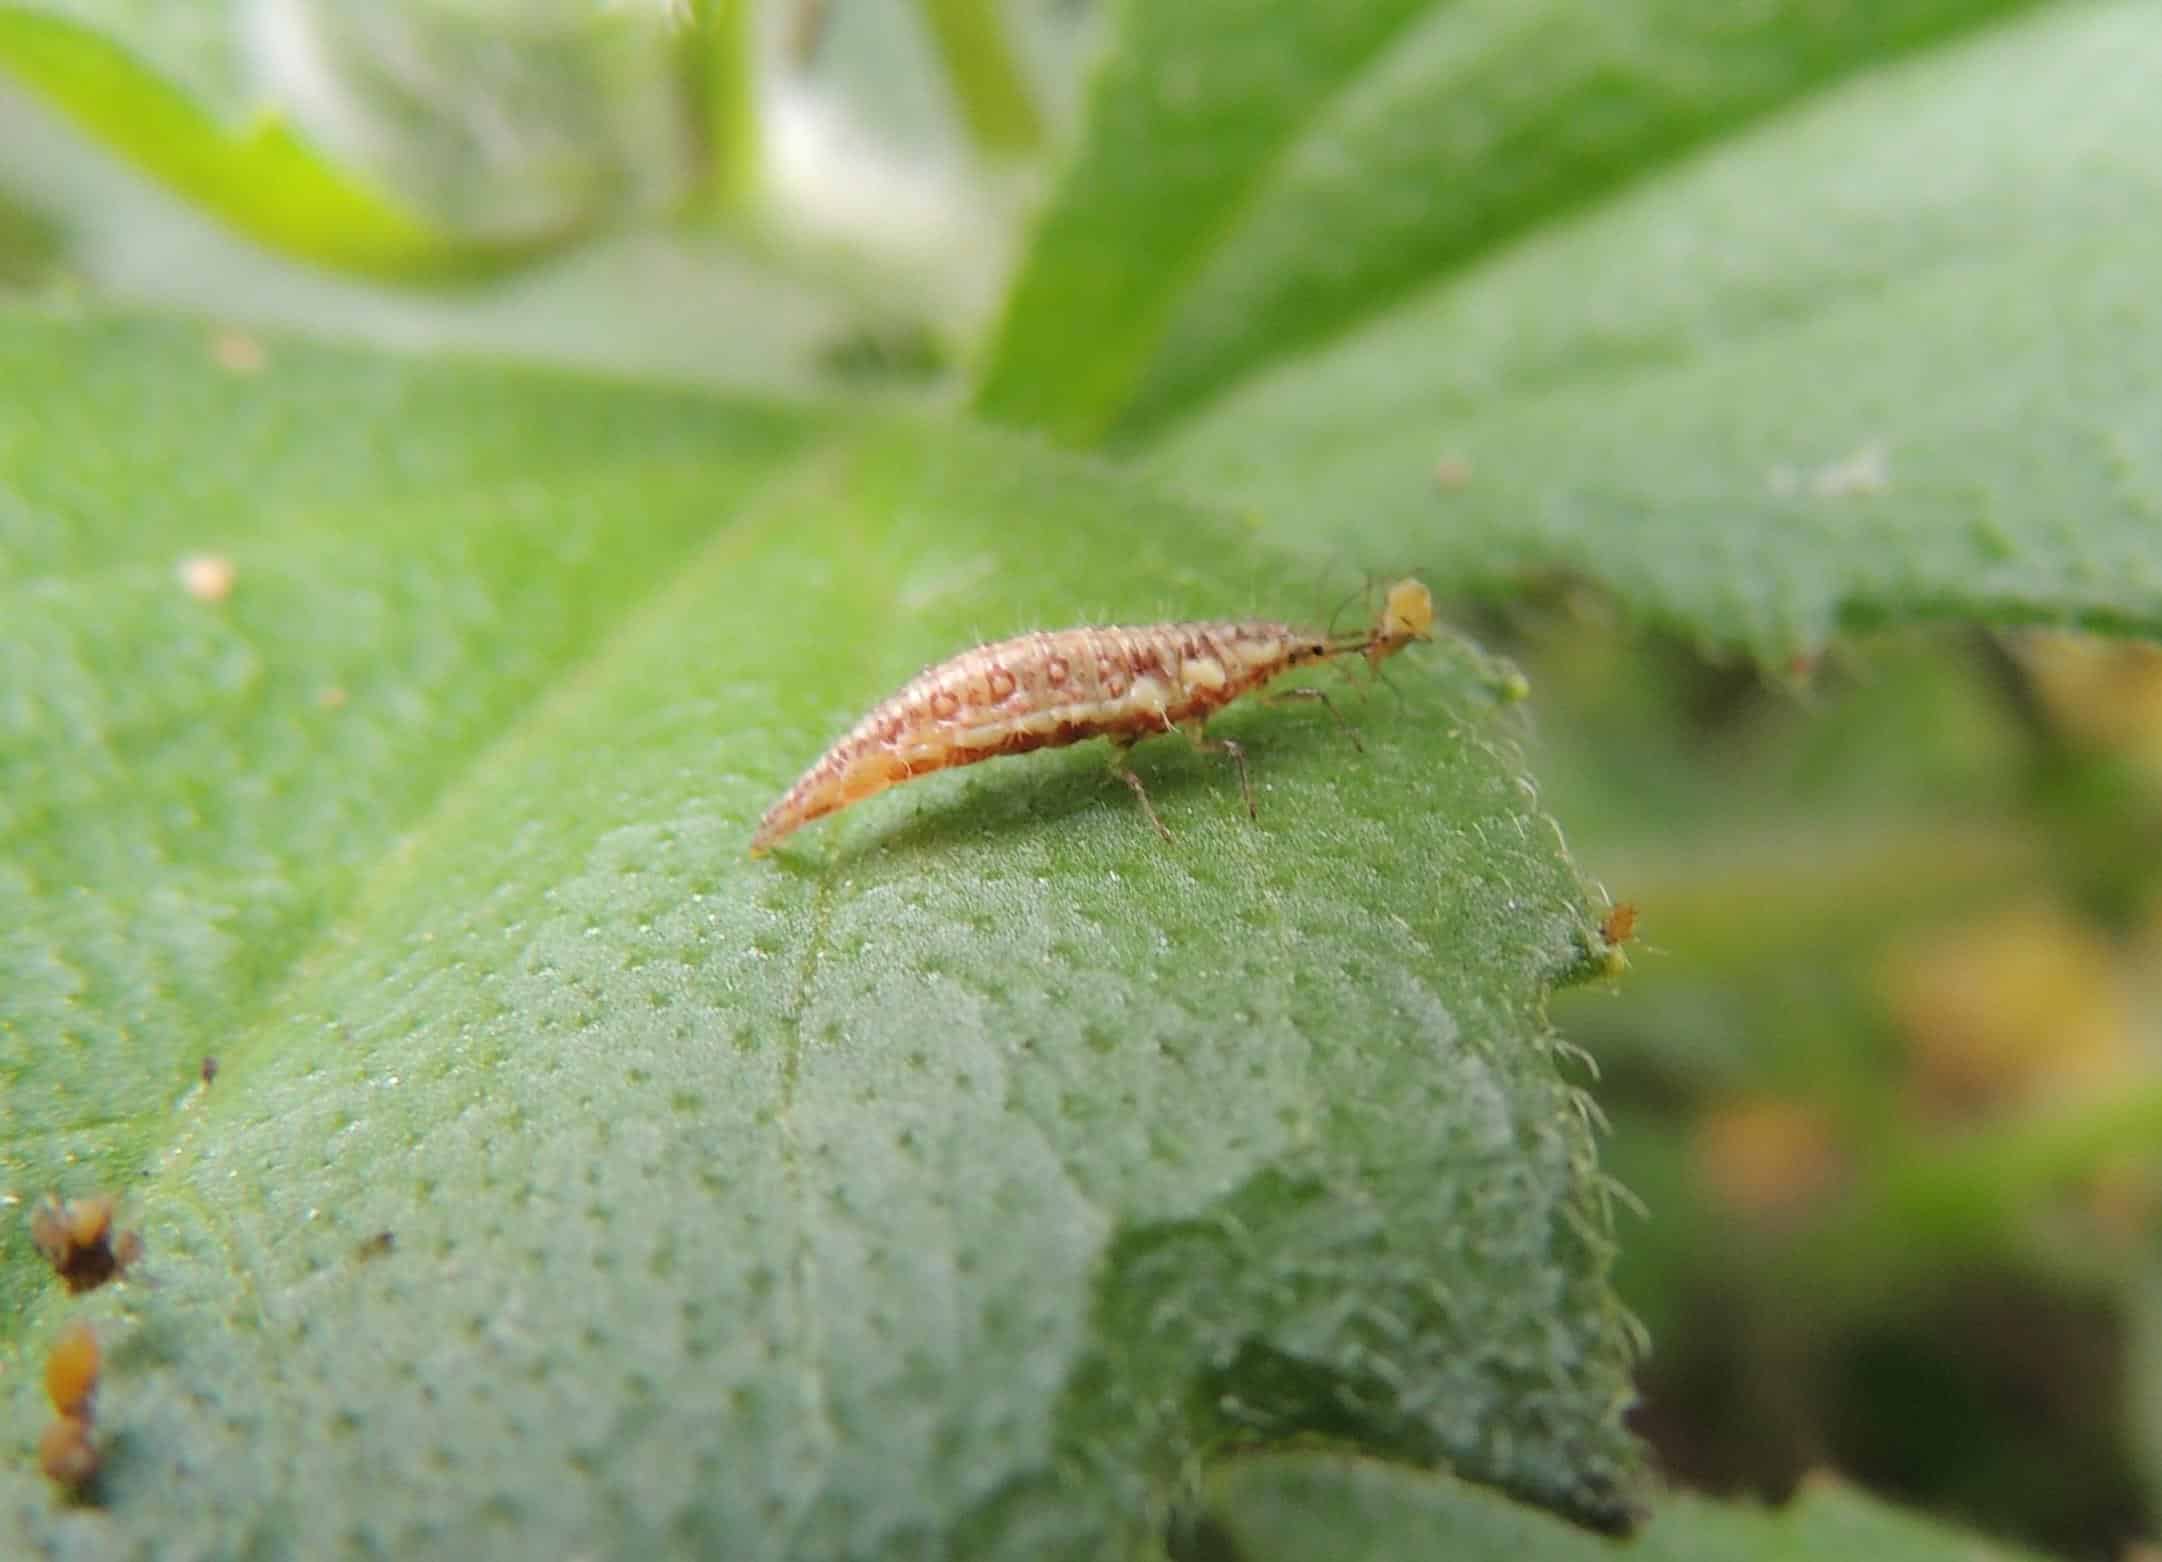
[[71, 1370], [76, 1237], [68, 1450], [1047, 690]]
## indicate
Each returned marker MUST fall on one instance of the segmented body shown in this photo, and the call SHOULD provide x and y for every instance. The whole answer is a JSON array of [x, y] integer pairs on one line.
[[1042, 690], [1046, 690]]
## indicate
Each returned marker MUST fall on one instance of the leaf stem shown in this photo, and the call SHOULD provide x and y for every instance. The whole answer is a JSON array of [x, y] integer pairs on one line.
[[724, 67], [987, 80]]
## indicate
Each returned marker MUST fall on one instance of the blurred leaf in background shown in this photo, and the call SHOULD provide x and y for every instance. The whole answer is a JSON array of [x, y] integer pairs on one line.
[[171, 100], [690, 191], [1903, 369], [1883, 1077], [28, 247]]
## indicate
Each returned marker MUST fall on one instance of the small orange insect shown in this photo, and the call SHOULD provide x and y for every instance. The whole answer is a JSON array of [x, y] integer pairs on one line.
[[1048, 690], [71, 1370], [68, 1454], [68, 1450]]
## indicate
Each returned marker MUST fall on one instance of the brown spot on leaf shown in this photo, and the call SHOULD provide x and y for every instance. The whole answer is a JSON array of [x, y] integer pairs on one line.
[[77, 1239]]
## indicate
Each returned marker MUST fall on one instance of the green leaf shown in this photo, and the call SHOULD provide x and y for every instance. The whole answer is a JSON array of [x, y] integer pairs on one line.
[[720, 52], [1128, 230], [184, 800], [984, 74], [1859, 363], [1254, 185], [948, 1182], [177, 110], [1310, 1507], [1930, 391]]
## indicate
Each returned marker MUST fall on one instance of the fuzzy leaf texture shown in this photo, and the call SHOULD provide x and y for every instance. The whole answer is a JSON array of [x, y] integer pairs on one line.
[[950, 1183], [1776, 323]]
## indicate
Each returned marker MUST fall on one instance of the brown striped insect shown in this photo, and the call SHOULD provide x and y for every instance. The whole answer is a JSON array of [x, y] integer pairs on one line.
[[1047, 690]]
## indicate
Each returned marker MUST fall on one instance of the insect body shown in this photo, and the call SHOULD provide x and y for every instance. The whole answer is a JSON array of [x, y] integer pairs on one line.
[[1048, 690]]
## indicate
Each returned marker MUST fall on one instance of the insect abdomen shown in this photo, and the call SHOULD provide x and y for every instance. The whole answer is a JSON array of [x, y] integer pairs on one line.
[[1041, 691]]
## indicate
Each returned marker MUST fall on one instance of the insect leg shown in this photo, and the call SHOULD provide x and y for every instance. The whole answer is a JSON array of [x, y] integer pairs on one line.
[[1125, 773], [1198, 735], [1306, 692]]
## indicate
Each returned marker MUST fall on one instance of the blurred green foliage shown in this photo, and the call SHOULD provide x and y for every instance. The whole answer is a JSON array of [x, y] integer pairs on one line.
[[27, 247], [1881, 1077]]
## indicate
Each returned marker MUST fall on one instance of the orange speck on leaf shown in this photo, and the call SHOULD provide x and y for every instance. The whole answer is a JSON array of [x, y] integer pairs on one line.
[[237, 352], [71, 1370]]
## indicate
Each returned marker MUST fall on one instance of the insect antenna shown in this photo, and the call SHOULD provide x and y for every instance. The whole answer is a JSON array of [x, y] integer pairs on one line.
[[1365, 588], [1333, 566], [1353, 642]]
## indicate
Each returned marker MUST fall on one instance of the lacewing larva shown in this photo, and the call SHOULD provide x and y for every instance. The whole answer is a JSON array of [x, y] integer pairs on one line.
[[1047, 690]]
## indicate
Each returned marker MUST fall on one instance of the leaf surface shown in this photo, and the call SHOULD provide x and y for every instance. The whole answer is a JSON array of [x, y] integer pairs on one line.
[[1922, 382], [947, 1182], [1889, 353], [1306, 1507], [1255, 183]]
